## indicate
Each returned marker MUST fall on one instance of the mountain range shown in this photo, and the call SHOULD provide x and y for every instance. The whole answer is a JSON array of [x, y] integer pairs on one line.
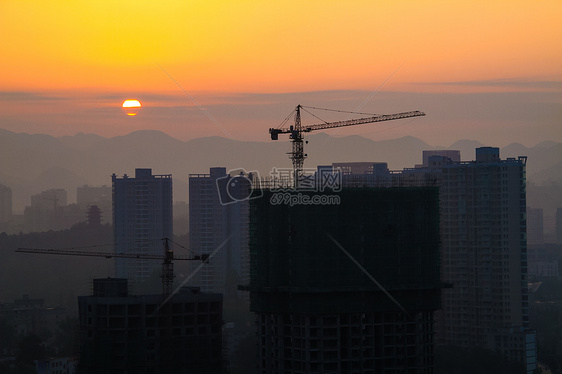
[[33, 163]]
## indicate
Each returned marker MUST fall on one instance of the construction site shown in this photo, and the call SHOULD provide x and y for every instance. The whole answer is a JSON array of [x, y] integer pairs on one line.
[[349, 287]]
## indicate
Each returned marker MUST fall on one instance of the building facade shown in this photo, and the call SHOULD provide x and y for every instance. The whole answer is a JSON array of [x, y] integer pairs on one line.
[[122, 333], [484, 258], [484, 252], [218, 226], [142, 217], [484, 247], [346, 287]]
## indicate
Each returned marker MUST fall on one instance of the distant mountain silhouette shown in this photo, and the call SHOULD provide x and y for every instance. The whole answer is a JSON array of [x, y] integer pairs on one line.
[[32, 163]]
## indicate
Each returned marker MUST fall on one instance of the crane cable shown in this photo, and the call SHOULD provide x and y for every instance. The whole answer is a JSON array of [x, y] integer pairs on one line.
[[315, 116], [285, 120], [339, 111], [127, 243], [181, 246], [110, 245], [320, 119]]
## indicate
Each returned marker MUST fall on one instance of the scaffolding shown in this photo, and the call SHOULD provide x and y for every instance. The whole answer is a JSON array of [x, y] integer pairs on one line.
[[392, 232]]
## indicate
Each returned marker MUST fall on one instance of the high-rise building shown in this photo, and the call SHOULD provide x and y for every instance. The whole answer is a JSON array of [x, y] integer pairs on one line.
[[142, 217], [485, 254], [535, 227], [484, 248], [218, 226], [484, 257], [348, 285], [47, 211], [122, 333]]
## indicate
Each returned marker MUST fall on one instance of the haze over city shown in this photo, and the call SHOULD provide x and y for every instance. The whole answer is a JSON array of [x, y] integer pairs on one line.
[[425, 241]]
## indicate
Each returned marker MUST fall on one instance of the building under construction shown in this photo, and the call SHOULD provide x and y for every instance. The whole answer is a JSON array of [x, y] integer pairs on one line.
[[347, 285], [122, 333]]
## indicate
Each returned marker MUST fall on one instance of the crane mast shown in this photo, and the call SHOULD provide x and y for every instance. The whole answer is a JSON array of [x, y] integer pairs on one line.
[[296, 131]]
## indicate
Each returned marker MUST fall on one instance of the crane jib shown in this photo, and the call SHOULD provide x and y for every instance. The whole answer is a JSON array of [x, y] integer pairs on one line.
[[359, 121]]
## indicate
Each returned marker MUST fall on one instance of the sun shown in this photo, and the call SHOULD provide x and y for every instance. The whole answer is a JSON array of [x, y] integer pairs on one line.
[[131, 107]]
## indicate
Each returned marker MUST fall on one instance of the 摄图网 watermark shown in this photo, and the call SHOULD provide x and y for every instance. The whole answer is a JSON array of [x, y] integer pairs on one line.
[[239, 185]]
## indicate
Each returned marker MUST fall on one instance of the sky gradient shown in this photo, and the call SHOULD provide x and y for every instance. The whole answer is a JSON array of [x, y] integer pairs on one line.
[[485, 70]]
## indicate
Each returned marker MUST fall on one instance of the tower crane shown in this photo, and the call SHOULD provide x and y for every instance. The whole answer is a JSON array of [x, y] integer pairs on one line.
[[167, 260], [297, 130]]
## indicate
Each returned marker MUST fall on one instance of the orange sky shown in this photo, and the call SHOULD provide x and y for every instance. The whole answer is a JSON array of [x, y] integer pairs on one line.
[[94, 49]]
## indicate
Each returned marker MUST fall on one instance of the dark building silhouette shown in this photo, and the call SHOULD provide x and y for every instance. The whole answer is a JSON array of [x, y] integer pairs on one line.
[[348, 286], [122, 333], [142, 217]]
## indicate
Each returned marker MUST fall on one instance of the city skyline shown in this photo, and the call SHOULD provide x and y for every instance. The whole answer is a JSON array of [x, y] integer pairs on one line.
[[480, 70]]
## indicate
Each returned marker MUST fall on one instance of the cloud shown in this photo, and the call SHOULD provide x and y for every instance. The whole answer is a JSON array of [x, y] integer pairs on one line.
[[503, 83]]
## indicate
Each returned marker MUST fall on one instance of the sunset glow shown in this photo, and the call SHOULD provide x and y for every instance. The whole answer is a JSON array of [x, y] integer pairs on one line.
[[194, 54]]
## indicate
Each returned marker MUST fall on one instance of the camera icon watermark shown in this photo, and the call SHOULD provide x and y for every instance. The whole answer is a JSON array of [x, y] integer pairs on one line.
[[238, 185]]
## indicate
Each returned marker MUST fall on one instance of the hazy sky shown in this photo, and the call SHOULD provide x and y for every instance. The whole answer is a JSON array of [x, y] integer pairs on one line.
[[486, 70]]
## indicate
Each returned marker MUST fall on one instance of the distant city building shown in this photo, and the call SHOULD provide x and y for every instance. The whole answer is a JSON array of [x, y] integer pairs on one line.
[[47, 211], [122, 333], [452, 155], [535, 228], [87, 196], [31, 316], [558, 228], [218, 216], [361, 174], [142, 217], [5, 204], [349, 287], [181, 218], [542, 262]]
